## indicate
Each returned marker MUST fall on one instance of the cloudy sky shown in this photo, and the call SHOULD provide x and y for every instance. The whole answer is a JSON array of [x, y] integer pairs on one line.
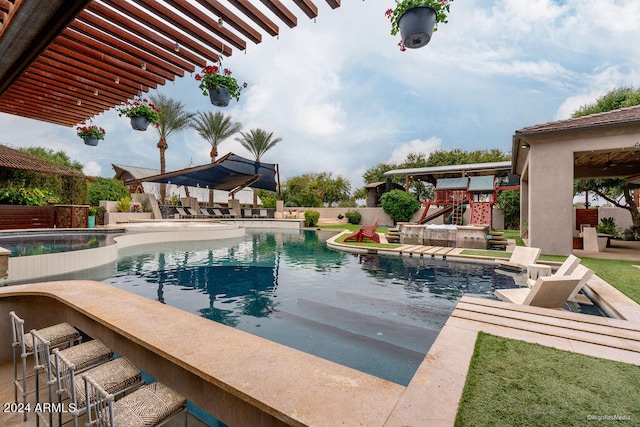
[[344, 98]]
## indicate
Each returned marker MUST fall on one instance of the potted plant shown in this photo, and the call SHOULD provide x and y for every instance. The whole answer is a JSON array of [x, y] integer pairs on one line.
[[141, 112], [90, 133], [417, 20], [220, 86], [92, 217]]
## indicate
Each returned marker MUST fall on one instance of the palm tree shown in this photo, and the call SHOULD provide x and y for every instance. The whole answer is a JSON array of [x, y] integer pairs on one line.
[[215, 128], [258, 142], [173, 118]]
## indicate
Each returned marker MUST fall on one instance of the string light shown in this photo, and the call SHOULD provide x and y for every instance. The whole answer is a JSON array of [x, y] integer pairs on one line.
[[95, 92], [117, 80], [79, 102], [220, 22], [176, 47], [143, 66]]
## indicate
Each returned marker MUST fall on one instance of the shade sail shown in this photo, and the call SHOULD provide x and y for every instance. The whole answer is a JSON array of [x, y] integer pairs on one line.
[[229, 173]]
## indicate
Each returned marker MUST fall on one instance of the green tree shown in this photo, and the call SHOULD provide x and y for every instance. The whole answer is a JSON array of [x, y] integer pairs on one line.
[[106, 189], [258, 142], [621, 97], [316, 190], [509, 202], [59, 158], [617, 191], [214, 128], [399, 204], [173, 118]]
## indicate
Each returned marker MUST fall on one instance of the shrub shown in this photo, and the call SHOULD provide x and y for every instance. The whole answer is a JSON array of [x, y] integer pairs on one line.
[[353, 217], [509, 202], [25, 196], [607, 226], [399, 205], [311, 218], [106, 189], [124, 204]]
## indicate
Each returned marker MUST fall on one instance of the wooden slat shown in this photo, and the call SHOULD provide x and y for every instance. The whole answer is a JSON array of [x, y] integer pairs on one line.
[[231, 19], [117, 20], [333, 3], [255, 15], [278, 9], [184, 25], [158, 25], [307, 7], [150, 54], [206, 22]]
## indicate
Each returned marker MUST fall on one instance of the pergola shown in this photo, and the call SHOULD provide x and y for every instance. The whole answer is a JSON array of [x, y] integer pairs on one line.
[[63, 61]]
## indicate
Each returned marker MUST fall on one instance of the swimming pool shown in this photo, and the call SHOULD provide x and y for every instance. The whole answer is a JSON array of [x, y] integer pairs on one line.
[[40, 242], [373, 313]]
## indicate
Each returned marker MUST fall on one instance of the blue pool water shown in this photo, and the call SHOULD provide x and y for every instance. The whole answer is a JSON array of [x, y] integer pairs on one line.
[[49, 241], [373, 313]]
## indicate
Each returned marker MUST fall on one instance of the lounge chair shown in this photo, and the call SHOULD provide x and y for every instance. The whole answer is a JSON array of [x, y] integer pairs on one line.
[[368, 231], [565, 269], [584, 274], [248, 213], [520, 258], [548, 292], [182, 213], [217, 213], [233, 213], [195, 213], [263, 213]]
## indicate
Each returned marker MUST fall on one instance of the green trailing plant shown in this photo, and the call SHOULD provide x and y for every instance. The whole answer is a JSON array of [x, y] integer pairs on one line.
[[124, 204], [399, 205], [354, 217], [311, 218]]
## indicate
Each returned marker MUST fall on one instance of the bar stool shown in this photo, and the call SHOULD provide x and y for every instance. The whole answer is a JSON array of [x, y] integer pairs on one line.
[[59, 335]]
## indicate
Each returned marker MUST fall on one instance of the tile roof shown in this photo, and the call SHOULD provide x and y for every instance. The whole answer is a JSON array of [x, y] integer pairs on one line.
[[16, 159], [630, 115]]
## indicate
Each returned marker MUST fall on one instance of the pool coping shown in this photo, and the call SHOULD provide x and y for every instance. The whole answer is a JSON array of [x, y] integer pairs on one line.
[[41, 267]]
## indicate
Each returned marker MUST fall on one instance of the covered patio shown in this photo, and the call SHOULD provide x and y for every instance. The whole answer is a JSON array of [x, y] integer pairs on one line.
[[549, 156]]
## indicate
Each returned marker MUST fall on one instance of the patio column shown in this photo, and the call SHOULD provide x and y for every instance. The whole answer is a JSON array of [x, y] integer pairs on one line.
[[550, 197]]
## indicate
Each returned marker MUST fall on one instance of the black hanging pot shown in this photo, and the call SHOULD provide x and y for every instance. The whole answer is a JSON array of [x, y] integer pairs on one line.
[[219, 96], [139, 122], [91, 141], [416, 26]]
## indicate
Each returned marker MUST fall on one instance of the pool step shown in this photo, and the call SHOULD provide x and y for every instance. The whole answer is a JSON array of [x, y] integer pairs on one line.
[[358, 351]]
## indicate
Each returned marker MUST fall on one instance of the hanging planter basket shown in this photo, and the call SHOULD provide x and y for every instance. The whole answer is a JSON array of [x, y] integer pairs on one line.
[[139, 122], [219, 96], [416, 26], [91, 141]]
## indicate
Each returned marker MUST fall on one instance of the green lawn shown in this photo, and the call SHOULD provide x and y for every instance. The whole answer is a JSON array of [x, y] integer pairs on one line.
[[514, 383]]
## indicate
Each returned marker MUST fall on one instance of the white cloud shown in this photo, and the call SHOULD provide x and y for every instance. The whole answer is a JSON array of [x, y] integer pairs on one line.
[[416, 146], [92, 168]]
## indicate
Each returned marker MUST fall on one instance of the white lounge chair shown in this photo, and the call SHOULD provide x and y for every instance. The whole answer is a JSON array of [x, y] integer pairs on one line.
[[217, 213], [182, 213], [584, 274], [548, 292], [263, 213], [565, 269], [520, 258]]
